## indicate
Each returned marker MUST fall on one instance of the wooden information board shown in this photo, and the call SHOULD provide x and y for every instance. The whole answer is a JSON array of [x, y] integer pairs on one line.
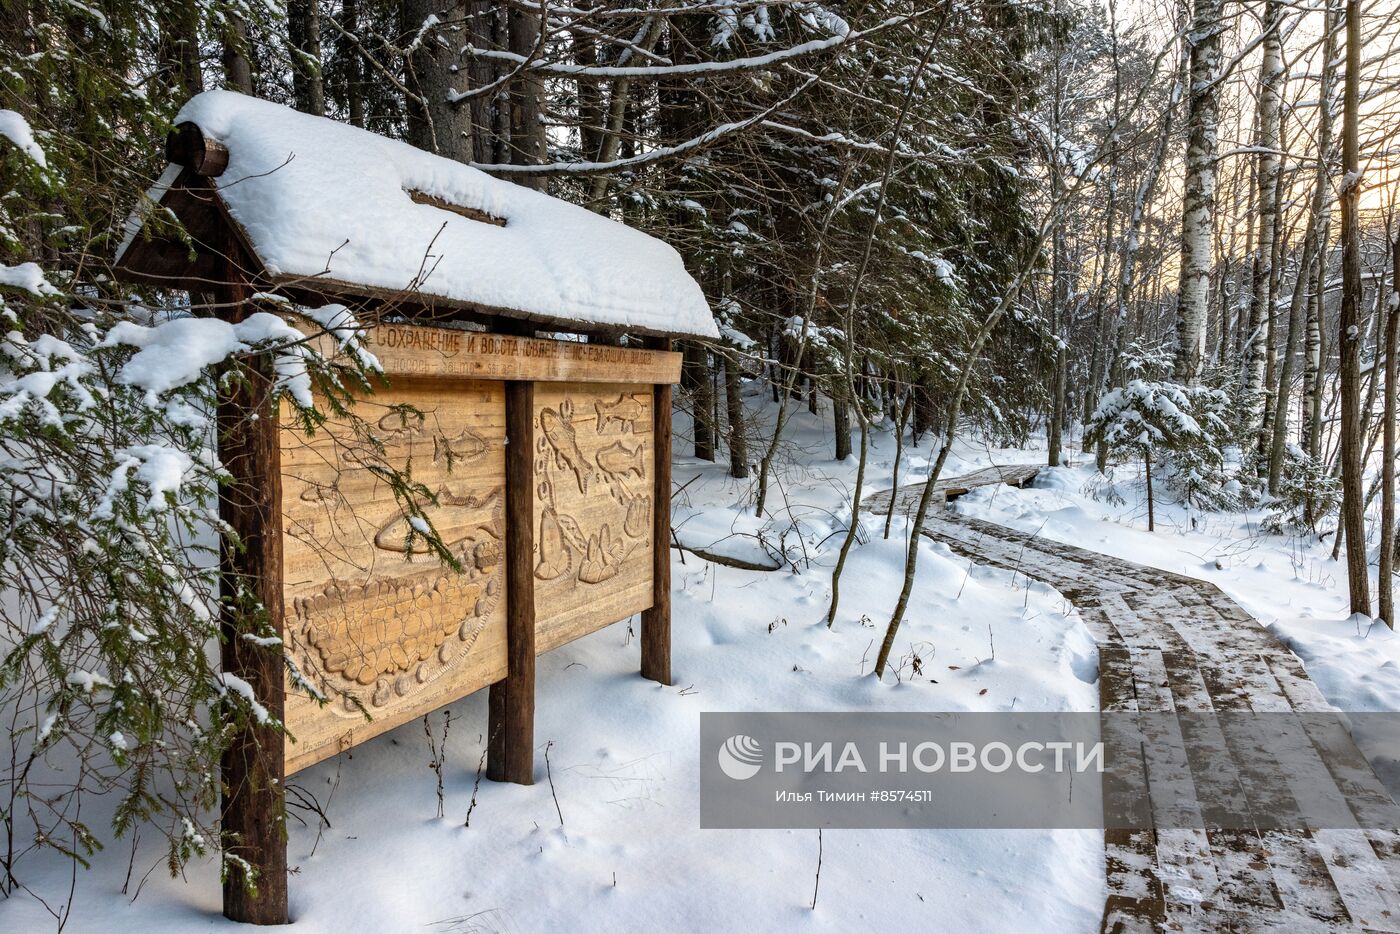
[[377, 622]]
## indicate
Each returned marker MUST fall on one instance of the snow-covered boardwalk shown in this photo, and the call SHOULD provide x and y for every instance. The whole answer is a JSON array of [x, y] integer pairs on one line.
[[1173, 643], [907, 500]]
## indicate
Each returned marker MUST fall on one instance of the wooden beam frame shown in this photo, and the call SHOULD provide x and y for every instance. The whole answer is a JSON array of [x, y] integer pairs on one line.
[[511, 702], [254, 765], [656, 621]]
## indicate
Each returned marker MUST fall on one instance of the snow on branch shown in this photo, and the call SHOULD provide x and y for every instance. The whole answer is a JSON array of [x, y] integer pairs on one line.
[[704, 140], [694, 68], [16, 129]]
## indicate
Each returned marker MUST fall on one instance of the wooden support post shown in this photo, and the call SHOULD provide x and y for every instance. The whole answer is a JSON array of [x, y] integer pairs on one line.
[[511, 703], [254, 766], [656, 621]]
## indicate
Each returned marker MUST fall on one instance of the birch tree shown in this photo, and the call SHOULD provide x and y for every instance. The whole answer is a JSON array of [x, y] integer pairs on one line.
[[1261, 305], [1198, 211]]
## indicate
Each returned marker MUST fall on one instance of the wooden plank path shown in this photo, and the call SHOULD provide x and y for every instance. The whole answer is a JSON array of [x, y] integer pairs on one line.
[[947, 489], [1173, 643]]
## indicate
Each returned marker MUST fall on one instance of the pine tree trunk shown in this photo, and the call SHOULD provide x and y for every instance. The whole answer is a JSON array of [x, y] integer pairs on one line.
[[238, 74], [304, 38], [1198, 211], [696, 378], [488, 121], [431, 72], [528, 145], [734, 409], [354, 65], [1386, 582], [1151, 513], [924, 414], [179, 69], [590, 98], [1059, 309], [841, 416], [1353, 505]]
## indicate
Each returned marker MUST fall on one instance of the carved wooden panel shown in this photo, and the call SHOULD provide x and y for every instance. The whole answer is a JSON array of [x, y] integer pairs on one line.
[[594, 456], [370, 617]]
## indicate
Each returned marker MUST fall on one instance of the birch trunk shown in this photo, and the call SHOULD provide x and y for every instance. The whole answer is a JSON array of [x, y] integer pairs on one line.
[[1266, 140], [1314, 258], [1312, 402], [1198, 209]]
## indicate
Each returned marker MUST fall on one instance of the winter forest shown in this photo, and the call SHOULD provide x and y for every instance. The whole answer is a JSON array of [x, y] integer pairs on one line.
[[1034, 356]]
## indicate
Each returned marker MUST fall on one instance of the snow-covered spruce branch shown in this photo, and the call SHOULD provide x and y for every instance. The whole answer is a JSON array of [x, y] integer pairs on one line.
[[108, 454], [751, 63], [695, 144]]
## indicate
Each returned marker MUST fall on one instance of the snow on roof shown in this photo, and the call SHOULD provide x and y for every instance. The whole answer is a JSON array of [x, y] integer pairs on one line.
[[322, 199]]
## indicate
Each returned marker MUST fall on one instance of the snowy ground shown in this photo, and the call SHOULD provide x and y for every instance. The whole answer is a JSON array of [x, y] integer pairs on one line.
[[622, 753]]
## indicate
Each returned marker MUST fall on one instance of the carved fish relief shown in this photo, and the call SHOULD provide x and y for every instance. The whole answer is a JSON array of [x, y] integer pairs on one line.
[[621, 461], [392, 536], [628, 411], [394, 429], [321, 492], [556, 557], [466, 447], [399, 426], [559, 433]]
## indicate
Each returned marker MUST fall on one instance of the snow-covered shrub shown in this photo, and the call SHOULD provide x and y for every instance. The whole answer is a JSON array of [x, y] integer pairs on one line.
[[113, 602], [1307, 491], [1103, 489], [109, 561], [1174, 428], [1195, 467]]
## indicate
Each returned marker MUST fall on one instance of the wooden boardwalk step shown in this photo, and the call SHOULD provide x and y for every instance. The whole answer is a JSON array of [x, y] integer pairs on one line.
[[1173, 644]]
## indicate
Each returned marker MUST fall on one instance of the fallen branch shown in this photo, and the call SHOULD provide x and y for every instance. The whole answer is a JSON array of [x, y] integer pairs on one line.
[[726, 560]]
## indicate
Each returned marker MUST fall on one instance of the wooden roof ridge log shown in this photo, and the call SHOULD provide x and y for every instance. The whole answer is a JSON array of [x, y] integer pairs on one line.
[[321, 205]]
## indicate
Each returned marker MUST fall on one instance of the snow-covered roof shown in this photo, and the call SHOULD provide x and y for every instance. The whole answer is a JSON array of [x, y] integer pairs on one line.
[[345, 208]]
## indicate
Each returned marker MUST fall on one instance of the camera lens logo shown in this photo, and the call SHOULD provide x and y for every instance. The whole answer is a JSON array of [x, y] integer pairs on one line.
[[740, 757]]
